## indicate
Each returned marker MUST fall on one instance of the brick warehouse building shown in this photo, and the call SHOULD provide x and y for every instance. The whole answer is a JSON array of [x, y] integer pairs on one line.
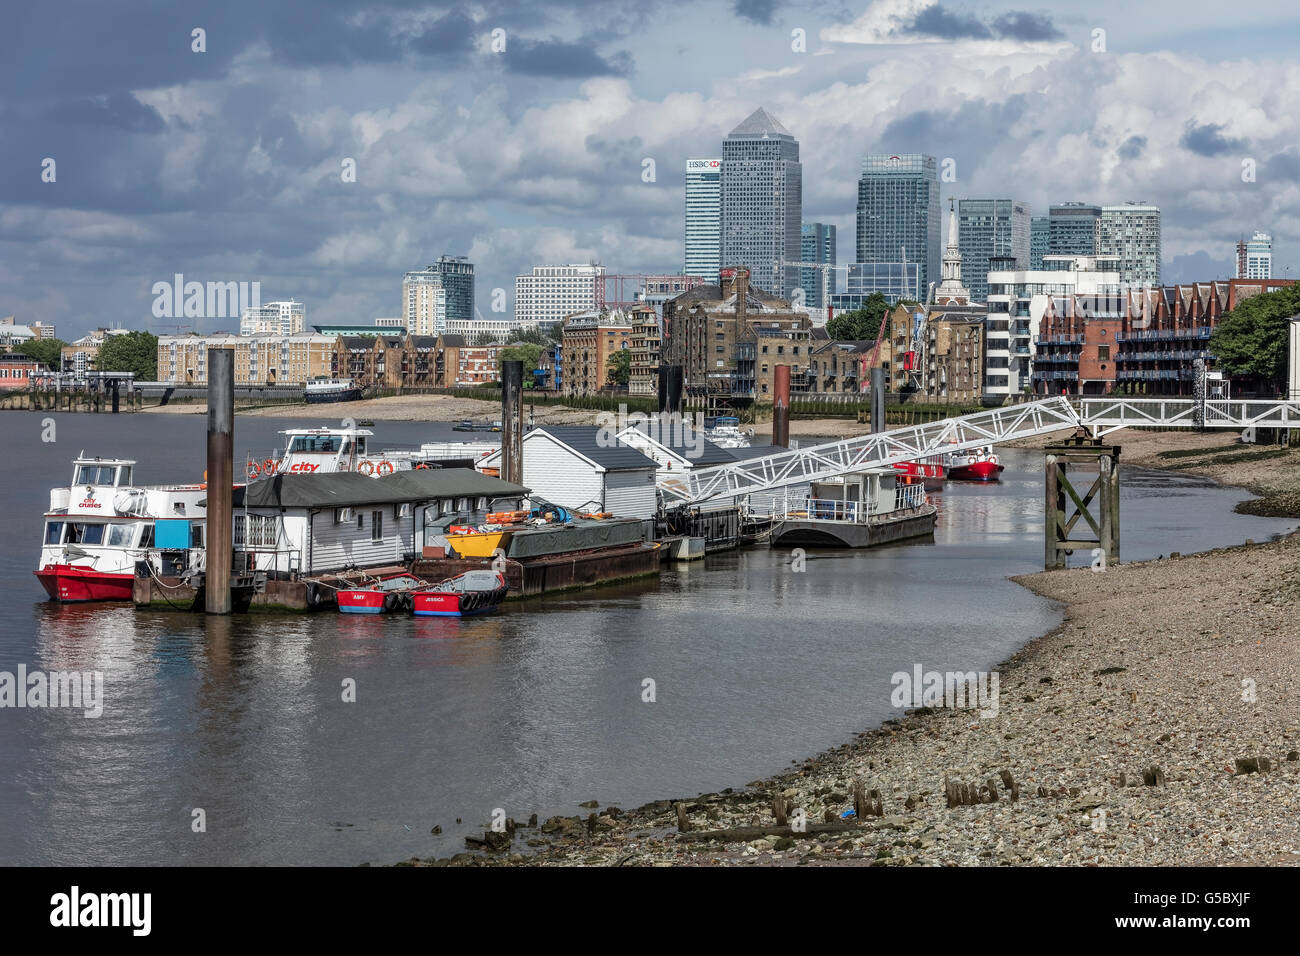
[[1142, 342]]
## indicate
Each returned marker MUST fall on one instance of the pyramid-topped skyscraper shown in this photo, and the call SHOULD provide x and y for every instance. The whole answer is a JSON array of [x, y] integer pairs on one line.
[[762, 203]]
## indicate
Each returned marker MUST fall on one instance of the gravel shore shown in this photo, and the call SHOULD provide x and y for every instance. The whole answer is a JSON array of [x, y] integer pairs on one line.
[[1157, 726]]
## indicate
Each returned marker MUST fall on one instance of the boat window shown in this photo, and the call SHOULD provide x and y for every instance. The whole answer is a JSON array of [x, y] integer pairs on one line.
[[316, 444], [124, 475], [146, 537], [54, 532], [84, 533], [361, 446], [196, 535], [94, 475], [120, 535]]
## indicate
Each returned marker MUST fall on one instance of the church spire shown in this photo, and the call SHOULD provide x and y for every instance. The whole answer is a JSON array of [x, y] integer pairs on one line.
[[951, 291]]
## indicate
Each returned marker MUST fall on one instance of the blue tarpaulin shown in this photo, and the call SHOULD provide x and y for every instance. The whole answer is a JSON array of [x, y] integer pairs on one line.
[[171, 533]]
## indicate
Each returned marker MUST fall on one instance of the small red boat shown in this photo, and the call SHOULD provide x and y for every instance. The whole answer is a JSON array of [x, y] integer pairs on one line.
[[474, 592], [928, 470], [386, 594], [978, 464]]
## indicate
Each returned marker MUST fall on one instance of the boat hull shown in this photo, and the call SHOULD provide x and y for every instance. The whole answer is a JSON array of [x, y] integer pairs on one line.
[[70, 584], [976, 471], [455, 603], [327, 398], [362, 602], [818, 533]]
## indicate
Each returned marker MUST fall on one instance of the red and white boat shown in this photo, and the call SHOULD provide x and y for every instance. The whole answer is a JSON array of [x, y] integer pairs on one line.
[[474, 592], [929, 470], [977, 464], [386, 594], [97, 528]]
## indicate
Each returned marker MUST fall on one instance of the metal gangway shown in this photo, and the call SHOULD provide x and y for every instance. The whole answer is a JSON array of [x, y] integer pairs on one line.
[[1097, 415]]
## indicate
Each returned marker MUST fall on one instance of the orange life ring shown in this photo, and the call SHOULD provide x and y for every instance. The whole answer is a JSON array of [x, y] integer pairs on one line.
[[252, 470], [268, 466], [385, 468], [421, 466], [367, 467]]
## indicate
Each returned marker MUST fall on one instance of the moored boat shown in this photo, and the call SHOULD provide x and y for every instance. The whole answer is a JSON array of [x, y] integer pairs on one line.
[[386, 594], [101, 526], [474, 592], [322, 391], [859, 510], [977, 464]]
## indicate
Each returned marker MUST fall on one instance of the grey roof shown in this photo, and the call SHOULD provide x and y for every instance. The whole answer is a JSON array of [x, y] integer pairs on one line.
[[344, 489], [686, 443], [759, 123], [585, 440], [454, 341]]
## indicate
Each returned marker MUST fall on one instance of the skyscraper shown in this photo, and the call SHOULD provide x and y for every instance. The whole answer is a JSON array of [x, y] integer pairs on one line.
[[1039, 232], [762, 203], [1131, 233], [898, 213], [989, 228], [1072, 229], [549, 293], [1255, 257], [431, 297], [703, 209], [817, 244]]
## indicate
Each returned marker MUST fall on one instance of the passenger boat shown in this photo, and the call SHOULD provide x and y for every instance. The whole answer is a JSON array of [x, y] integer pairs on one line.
[[474, 592], [977, 464], [387, 594], [860, 510], [99, 527], [320, 391], [323, 451]]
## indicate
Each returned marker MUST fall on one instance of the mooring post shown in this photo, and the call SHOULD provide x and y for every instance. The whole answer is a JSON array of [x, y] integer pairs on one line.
[[1053, 507], [512, 421], [221, 479], [877, 400], [781, 406]]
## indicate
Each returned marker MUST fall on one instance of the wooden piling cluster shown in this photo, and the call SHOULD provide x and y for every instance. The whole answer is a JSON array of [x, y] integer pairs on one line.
[[1059, 528], [70, 400]]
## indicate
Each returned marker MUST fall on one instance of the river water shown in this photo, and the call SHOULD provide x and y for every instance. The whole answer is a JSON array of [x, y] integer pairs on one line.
[[534, 709]]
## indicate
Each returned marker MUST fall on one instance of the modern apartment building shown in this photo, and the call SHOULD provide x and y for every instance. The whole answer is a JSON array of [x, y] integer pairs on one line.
[[898, 213], [273, 318], [549, 293], [266, 359], [896, 281], [817, 245], [762, 203], [424, 302], [1131, 233], [703, 217], [1017, 301], [988, 229], [1255, 257]]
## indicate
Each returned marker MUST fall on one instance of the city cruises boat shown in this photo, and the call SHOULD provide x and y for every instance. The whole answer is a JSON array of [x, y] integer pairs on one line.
[[860, 510], [320, 391], [977, 464], [100, 526], [323, 451], [474, 592], [387, 594]]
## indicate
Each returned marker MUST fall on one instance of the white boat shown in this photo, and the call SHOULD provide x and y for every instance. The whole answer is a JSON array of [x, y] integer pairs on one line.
[[724, 431], [320, 391], [97, 528], [323, 451]]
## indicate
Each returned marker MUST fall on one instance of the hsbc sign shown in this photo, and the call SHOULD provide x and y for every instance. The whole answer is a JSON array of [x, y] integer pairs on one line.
[[703, 165]]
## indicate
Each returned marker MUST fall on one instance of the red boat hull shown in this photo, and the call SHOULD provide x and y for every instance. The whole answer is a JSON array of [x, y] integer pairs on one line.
[[361, 602], [69, 583], [918, 469], [978, 471]]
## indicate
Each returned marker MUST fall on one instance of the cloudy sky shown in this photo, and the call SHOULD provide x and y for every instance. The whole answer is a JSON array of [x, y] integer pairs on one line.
[[226, 165]]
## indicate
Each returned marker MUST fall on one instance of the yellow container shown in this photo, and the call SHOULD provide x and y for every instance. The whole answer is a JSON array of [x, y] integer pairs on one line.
[[478, 545]]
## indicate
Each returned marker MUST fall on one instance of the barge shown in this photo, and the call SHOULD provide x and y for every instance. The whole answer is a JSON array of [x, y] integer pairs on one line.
[[859, 510]]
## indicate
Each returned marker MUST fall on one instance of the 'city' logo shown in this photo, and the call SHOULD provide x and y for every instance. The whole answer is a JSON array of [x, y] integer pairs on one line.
[[103, 909], [200, 300], [954, 690]]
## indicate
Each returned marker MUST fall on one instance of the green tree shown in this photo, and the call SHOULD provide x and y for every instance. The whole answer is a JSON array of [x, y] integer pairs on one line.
[[620, 367], [533, 335], [46, 351], [484, 338], [130, 352], [528, 353], [861, 324], [1251, 341]]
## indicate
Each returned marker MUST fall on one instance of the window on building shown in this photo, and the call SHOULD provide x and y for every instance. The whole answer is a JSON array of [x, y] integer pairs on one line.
[[1103, 353], [376, 525]]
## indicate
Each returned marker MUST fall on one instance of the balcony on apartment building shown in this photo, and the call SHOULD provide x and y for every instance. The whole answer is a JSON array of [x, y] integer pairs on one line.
[[1197, 333]]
